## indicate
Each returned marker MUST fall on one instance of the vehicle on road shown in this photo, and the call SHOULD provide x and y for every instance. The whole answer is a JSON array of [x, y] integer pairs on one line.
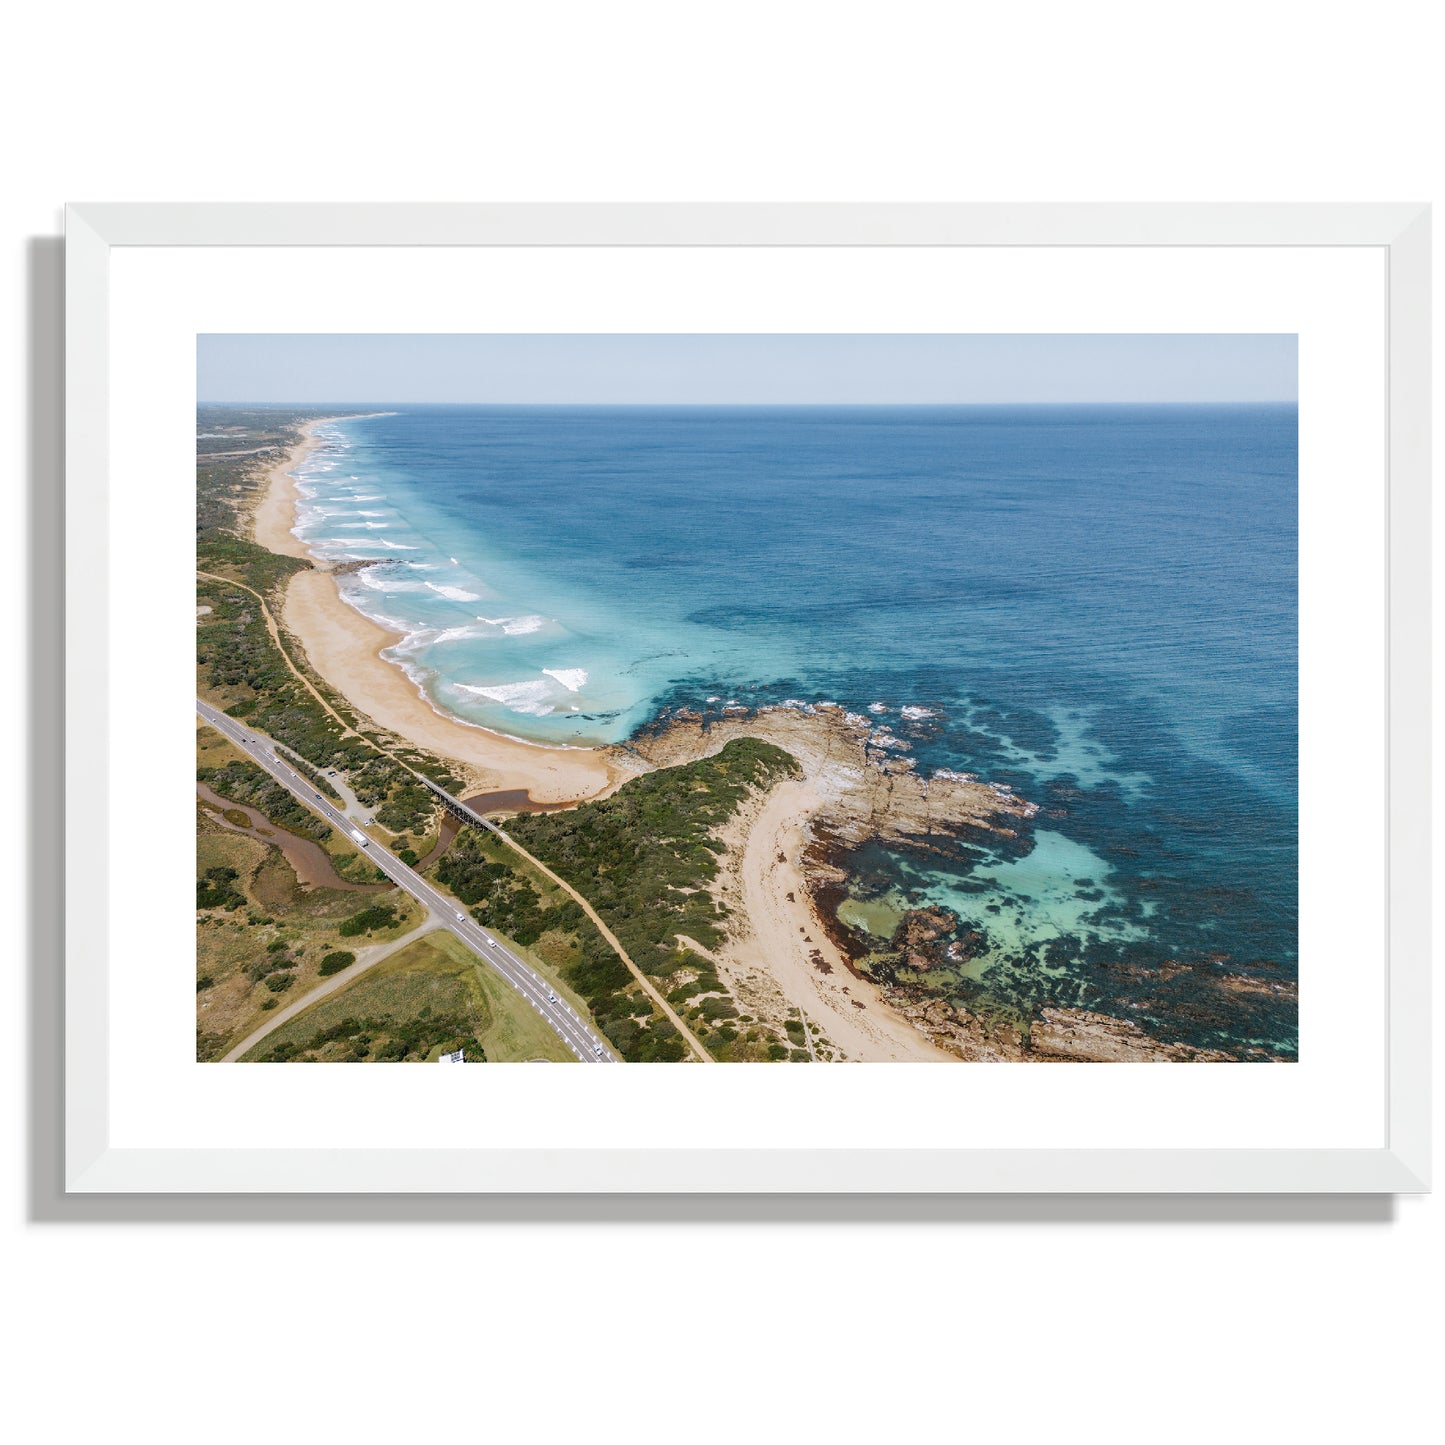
[[500, 955]]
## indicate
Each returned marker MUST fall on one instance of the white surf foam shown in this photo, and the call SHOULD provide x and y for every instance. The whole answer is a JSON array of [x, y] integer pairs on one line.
[[378, 580], [529, 698], [516, 626], [455, 594], [572, 678], [916, 714], [423, 637]]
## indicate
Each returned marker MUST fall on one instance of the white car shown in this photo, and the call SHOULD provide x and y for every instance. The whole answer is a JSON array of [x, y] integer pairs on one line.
[[551, 997], [597, 1049]]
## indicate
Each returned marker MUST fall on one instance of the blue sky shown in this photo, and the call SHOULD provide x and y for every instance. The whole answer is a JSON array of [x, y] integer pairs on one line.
[[752, 369]]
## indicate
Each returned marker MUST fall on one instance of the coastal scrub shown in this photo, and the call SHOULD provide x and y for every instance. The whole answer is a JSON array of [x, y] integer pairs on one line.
[[645, 858]]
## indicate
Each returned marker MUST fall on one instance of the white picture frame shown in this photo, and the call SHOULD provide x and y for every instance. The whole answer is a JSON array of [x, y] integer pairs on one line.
[[93, 1164]]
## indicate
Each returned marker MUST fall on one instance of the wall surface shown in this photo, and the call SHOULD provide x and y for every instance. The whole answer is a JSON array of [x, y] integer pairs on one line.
[[1248, 1320]]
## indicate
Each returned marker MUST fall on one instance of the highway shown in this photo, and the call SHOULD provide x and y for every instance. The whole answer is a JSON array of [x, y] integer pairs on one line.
[[563, 1019]]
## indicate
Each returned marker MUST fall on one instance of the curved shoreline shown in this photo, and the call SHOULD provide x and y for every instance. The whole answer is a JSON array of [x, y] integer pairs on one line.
[[275, 514], [345, 646], [764, 875]]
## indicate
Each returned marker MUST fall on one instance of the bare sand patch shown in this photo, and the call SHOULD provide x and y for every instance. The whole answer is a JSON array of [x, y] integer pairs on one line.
[[778, 939]]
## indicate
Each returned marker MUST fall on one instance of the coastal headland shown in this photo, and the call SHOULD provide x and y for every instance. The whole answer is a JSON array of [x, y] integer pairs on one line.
[[784, 956]]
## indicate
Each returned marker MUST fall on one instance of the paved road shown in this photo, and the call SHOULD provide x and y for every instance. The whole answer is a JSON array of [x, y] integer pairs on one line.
[[562, 1019], [613, 941]]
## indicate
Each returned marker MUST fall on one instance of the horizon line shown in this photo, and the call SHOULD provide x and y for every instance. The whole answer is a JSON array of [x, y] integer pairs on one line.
[[789, 405]]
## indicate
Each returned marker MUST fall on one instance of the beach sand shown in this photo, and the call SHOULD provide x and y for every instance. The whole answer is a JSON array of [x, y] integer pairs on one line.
[[773, 956], [782, 942], [275, 514], [344, 647]]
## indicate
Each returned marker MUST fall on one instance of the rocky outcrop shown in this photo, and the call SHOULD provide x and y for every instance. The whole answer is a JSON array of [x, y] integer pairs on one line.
[[1058, 1035], [925, 939], [869, 791]]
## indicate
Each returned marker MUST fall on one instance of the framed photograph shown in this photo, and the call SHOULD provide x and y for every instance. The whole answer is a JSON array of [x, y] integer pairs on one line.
[[987, 645]]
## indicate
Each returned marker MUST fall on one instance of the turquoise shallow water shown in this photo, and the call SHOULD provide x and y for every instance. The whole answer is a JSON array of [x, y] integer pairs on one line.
[[1095, 605]]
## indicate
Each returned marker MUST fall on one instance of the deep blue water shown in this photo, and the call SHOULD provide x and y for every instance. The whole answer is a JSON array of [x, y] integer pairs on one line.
[[1095, 604]]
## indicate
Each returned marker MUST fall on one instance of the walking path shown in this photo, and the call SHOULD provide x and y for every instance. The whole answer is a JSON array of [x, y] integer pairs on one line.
[[286, 656], [367, 958], [648, 986]]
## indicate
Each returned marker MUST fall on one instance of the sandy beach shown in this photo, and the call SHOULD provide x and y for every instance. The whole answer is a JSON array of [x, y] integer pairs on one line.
[[275, 515], [771, 959], [345, 647], [780, 956], [782, 943]]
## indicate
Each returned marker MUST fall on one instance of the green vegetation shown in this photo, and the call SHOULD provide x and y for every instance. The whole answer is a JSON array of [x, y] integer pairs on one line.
[[335, 962], [314, 776], [509, 897], [378, 917], [215, 889], [644, 859], [275, 960], [504, 898], [240, 666], [261, 935], [431, 997], [243, 671], [228, 485], [243, 782]]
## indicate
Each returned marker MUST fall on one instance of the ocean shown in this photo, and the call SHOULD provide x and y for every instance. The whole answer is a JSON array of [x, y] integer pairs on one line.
[[1095, 605]]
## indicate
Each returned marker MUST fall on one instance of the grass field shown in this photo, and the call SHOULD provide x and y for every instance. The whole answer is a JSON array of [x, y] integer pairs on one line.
[[430, 995], [260, 942]]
